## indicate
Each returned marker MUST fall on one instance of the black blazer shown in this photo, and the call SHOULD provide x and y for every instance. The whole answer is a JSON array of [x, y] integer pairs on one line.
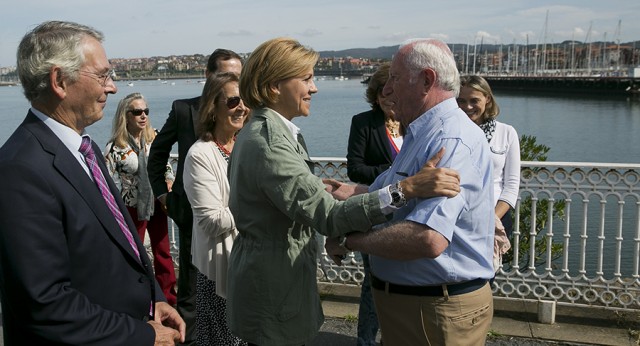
[[369, 150], [67, 272], [180, 128]]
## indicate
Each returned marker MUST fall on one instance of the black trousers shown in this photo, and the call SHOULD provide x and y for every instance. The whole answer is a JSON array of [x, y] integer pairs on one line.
[[180, 209]]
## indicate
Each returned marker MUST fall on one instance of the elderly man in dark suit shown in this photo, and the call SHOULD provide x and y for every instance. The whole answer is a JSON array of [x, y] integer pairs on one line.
[[180, 128], [72, 268]]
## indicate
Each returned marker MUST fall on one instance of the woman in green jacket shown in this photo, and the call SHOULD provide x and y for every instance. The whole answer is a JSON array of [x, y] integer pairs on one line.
[[278, 203]]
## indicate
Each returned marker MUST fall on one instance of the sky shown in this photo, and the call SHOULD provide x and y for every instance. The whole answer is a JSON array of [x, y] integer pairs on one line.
[[146, 28]]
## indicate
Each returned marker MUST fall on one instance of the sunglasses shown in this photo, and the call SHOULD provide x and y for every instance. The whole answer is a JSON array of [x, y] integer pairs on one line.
[[138, 112], [233, 102]]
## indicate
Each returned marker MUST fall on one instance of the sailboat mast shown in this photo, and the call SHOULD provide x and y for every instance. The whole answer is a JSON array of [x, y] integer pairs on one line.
[[587, 40], [617, 35], [544, 44]]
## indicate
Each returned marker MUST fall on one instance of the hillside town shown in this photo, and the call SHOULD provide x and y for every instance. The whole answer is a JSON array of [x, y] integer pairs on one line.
[[193, 66], [569, 58]]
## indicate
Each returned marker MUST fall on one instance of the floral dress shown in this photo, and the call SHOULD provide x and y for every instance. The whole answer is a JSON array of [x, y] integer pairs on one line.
[[122, 164]]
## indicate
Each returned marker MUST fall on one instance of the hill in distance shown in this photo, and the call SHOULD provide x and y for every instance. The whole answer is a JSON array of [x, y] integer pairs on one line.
[[388, 52]]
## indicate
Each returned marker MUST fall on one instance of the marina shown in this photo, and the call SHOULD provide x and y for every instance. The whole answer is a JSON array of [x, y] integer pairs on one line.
[[567, 84]]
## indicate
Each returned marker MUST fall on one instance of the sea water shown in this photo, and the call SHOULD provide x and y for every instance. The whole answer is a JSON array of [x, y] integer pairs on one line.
[[577, 128]]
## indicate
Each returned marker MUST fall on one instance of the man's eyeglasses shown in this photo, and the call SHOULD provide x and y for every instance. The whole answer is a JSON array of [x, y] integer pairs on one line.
[[233, 102], [102, 77], [138, 112]]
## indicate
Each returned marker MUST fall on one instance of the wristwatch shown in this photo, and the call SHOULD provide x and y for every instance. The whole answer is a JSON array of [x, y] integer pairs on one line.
[[397, 197], [343, 243]]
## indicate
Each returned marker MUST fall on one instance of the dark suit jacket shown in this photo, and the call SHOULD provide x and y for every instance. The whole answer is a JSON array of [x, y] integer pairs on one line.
[[369, 150], [180, 128], [67, 272]]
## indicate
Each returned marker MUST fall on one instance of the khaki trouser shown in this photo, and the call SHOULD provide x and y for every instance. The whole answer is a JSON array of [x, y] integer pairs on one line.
[[407, 320]]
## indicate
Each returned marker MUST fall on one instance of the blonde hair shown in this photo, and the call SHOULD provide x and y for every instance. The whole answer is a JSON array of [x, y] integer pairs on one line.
[[480, 84], [119, 132], [273, 61]]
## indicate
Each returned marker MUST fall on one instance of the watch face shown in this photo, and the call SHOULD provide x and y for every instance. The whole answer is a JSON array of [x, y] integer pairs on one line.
[[397, 197]]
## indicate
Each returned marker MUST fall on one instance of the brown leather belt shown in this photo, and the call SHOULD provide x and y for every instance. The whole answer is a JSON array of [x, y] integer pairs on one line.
[[432, 291]]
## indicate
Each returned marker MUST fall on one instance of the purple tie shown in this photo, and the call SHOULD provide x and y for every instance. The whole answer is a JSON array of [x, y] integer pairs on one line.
[[90, 157]]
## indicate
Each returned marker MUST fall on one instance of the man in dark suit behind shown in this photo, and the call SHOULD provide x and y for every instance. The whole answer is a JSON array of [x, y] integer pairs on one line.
[[180, 128], [70, 274]]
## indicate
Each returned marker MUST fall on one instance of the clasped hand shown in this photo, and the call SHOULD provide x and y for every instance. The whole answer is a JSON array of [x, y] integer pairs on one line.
[[168, 325], [342, 191], [334, 250]]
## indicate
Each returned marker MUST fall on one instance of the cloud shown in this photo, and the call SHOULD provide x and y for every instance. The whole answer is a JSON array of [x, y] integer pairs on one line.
[[487, 37], [526, 35], [161, 31], [441, 37], [310, 33], [577, 34], [397, 37], [236, 33]]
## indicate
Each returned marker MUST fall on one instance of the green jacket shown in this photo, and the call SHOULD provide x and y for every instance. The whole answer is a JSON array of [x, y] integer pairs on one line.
[[278, 204]]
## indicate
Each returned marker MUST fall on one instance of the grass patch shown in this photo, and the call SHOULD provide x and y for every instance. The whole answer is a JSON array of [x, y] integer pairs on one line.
[[493, 334], [350, 318]]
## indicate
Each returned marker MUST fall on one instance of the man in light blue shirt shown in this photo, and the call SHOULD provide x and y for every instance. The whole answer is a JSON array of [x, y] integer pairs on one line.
[[430, 265]]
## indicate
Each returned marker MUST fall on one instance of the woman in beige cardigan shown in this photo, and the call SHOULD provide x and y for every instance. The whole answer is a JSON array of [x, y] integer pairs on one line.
[[222, 114]]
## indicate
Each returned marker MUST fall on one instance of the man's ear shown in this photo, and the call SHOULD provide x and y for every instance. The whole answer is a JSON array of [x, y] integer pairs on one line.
[[429, 78], [58, 83]]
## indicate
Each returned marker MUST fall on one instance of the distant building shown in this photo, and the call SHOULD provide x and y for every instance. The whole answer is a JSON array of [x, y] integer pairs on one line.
[[7, 70]]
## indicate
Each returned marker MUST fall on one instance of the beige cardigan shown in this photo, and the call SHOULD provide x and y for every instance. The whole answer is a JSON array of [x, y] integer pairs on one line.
[[207, 187]]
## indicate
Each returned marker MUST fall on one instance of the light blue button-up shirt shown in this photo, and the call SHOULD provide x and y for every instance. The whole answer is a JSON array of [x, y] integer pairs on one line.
[[466, 221]]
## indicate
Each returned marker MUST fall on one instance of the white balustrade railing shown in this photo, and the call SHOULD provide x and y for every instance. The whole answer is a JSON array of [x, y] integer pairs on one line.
[[581, 249]]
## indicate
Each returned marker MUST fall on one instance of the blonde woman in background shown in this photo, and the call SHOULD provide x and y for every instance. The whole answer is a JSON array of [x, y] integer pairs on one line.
[[477, 100], [126, 155]]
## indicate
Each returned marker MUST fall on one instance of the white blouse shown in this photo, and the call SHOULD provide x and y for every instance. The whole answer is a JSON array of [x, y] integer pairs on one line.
[[505, 153]]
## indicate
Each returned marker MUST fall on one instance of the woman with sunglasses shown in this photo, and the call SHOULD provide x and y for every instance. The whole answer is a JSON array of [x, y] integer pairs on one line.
[[222, 114], [126, 155]]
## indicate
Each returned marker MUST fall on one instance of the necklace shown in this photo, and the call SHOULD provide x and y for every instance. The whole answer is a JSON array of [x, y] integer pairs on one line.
[[393, 127], [221, 147]]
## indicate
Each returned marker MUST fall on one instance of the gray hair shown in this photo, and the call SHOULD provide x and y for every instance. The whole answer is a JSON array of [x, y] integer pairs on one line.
[[52, 43], [436, 55]]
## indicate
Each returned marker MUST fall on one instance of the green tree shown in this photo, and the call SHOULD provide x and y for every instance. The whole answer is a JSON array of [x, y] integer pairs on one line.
[[530, 150]]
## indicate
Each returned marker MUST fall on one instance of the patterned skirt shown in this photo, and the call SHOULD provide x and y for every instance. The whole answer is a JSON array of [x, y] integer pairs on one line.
[[211, 316]]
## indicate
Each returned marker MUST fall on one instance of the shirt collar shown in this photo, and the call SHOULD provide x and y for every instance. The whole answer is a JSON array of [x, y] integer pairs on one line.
[[427, 119], [291, 126], [70, 138]]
